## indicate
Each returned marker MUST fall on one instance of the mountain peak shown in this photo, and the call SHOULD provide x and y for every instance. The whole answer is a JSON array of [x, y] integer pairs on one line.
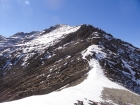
[[60, 25], [82, 64], [19, 34], [2, 38]]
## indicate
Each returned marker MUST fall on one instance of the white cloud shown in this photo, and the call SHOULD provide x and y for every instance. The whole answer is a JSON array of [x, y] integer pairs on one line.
[[27, 2]]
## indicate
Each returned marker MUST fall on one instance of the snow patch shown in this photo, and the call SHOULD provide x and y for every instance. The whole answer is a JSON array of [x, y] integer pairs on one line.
[[94, 49], [108, 37]]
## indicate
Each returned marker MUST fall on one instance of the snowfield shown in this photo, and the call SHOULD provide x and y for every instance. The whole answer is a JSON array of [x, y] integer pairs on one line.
[[90, 89]]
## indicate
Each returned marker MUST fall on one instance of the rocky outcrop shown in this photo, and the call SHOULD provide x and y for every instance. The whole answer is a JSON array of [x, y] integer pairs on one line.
[[2, 38]]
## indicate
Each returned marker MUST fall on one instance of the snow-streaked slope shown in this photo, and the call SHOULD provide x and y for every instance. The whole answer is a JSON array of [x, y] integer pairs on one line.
[[116, 59], [18, 38], [89, 89], [48, 39], [37, 45]]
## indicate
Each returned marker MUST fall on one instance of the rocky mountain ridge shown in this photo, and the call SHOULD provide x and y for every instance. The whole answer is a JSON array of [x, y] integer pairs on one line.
[[41, 62]]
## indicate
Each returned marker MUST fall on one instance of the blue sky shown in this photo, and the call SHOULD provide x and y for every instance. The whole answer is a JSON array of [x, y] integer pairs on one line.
[[121, 18]]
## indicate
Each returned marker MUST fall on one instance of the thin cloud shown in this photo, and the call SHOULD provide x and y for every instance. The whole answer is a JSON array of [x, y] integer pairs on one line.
[[4, 1], [27, 2], [55, 4]]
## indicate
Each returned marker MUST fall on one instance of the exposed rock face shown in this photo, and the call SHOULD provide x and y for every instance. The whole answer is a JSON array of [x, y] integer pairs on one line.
[[48, 60], [2, 38]]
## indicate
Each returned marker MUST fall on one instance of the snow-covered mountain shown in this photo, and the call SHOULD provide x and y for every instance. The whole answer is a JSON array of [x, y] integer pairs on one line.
[[69, 65]]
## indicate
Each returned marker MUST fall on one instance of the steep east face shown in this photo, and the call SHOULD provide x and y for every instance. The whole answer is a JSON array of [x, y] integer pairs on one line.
[[41, 62]]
